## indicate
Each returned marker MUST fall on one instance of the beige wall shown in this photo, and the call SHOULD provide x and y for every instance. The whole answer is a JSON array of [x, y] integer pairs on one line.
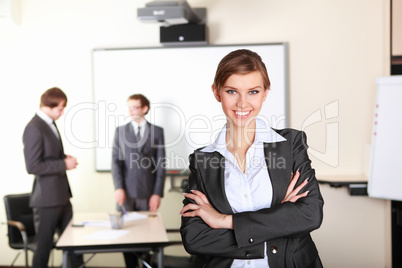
[[336, 50]]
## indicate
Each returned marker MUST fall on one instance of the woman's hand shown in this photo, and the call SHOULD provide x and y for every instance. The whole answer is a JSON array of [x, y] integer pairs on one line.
[[205, 211], [292, 193]]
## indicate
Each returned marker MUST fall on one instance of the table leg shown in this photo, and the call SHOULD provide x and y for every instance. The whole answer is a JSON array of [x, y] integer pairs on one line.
[[160, 258], [65, 259]]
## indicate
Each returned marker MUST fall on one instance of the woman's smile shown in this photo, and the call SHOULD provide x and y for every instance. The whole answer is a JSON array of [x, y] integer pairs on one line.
[[242, 114]]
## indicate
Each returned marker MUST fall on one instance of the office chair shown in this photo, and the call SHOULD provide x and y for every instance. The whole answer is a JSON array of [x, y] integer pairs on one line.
[[170, 261], [20, 220]]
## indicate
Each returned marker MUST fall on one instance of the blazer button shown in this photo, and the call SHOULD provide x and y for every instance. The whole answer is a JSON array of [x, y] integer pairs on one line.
[[251, 240], [273, 249], [248, 255]]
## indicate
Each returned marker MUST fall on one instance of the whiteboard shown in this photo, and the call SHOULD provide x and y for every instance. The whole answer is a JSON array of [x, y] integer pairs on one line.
[[385, 178], [177, 81]]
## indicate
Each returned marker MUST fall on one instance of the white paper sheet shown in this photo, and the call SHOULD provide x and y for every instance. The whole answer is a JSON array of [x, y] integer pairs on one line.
[[107, 234], [132, 216], [97, 223]]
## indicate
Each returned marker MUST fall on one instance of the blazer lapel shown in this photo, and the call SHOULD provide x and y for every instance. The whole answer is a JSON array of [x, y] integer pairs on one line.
[[145, 141], [130, 138], [212, 169], [51, 134], [279, 169], [59, 138]]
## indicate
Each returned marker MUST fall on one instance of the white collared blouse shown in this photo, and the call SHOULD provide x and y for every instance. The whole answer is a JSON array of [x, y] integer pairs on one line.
[[251, 190]]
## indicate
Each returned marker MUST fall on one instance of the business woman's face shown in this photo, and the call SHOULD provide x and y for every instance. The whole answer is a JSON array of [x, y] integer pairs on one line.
[[242, 97]]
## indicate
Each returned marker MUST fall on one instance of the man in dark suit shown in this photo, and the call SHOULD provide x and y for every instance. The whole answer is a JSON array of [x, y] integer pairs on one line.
[[45, 158], [138, 163]]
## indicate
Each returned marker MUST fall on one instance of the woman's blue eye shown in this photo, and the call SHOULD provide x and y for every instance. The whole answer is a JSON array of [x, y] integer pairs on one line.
[[230, 91], [252, 92]]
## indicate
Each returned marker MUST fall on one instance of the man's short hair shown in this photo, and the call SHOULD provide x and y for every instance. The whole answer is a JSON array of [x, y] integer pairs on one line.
[[52, 97], [143, 100]]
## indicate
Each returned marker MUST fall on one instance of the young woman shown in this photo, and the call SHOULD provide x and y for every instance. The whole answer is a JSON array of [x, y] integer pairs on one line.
[[253, 198]]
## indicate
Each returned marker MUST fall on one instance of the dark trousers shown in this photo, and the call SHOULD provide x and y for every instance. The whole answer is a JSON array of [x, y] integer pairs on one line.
[[133, 204], [48, 221]]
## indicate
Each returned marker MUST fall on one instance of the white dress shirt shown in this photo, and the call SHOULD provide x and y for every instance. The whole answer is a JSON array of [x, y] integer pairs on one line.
[[251, 190], [143, 125], [49, 121]]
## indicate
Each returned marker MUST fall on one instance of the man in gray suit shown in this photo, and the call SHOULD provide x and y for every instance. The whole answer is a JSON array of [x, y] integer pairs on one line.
[[45, 158], [138, 163]]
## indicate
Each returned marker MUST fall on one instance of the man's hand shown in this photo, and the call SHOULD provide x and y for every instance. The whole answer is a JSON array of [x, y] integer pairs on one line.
[[120, 196], [154, 203], [71, 162]]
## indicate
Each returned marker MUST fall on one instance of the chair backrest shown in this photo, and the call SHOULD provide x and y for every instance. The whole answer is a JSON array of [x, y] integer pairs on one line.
[[18, 209]]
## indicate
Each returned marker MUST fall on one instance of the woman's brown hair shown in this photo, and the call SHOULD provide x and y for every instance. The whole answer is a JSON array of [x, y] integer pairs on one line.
[[240, 61]]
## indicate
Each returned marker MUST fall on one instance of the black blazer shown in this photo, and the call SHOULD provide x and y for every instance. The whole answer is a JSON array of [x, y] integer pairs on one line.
[[44, 158], [139, 167], [285, 227]]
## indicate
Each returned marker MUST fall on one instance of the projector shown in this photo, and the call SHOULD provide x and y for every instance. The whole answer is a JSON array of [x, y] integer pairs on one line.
[[168, 13]]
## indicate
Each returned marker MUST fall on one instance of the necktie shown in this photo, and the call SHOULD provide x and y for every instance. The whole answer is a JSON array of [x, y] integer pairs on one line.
[[58, 136], [139, 133], [57, 133]]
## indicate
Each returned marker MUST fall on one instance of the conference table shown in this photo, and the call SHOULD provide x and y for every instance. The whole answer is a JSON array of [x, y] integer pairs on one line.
[[92, 233]]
